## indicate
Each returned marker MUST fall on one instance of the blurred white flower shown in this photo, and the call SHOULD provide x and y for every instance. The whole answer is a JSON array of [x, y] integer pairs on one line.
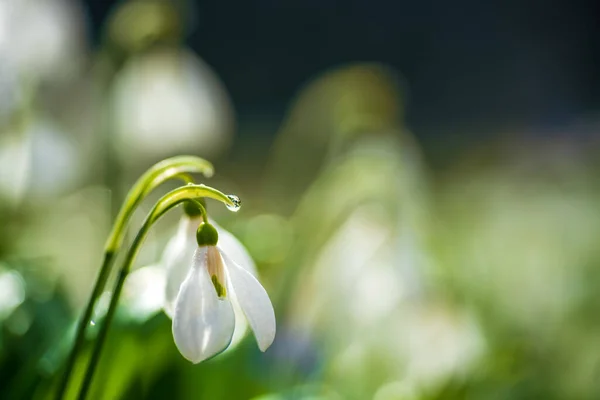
[[42, 154], [143, 294], [41, 38], [55, 162], [169, 101], [364, 295]]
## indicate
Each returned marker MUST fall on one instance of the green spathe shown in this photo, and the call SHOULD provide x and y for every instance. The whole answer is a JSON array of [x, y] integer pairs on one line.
[[207, 235]]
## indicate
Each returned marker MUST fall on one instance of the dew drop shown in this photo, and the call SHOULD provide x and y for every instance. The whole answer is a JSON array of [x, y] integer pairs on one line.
[[92, 323], [237, 203]]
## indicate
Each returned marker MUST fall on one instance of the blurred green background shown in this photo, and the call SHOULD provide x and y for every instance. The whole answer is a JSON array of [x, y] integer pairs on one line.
[[419, 184]]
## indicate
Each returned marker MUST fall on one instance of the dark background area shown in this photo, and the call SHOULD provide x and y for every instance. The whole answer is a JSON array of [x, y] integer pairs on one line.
[[472, 69]]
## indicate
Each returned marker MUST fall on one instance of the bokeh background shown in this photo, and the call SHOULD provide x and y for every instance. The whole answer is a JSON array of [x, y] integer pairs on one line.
[[419, 183]]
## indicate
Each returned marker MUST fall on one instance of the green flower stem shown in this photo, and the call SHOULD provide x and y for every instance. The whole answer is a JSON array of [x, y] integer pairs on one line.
[[171, 168], [203, 211], [167, 202], [159, 173]]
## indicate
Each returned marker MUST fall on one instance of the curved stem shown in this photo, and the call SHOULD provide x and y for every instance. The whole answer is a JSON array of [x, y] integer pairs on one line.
[[167, 202], [174, 167], [171, 168], [202, 211]]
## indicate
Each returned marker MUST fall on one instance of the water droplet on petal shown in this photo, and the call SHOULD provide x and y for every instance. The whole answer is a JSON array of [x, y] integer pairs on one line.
[[237, 203]]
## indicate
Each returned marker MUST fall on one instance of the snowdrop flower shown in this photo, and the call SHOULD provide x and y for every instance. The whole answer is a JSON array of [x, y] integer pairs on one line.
[[178, 256], [211, 300]]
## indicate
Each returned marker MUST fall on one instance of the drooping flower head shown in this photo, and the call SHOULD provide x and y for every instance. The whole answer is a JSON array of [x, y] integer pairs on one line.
[[209, 290]]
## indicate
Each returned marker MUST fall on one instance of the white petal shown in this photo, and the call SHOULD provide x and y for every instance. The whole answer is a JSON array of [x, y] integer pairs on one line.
[[238, 253], [177, 259], [241, 325], [202, 324], [234, 249], [254, 302]]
